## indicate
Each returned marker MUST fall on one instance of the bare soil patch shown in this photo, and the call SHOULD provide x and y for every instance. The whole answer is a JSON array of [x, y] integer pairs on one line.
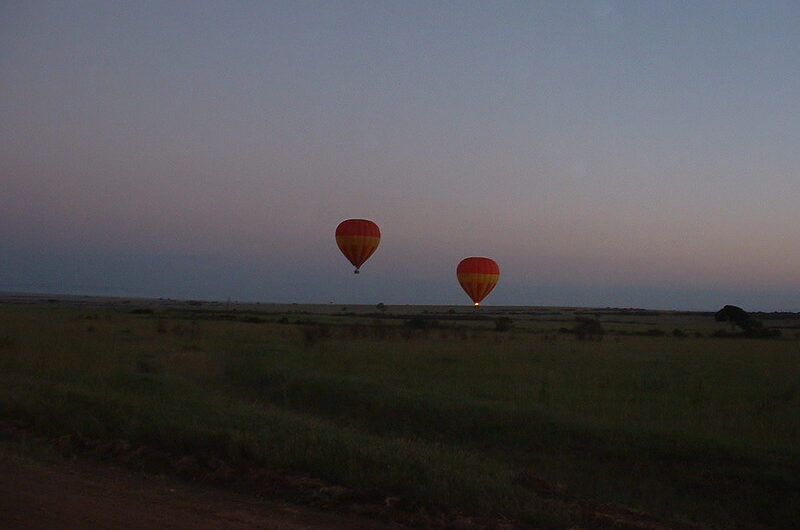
[[97, 485], [80, 494]]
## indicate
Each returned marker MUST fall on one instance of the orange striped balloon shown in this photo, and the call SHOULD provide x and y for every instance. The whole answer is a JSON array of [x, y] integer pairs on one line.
[[477, 276], [357, 239]]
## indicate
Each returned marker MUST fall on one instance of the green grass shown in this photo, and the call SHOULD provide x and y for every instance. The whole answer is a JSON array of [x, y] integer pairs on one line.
[[698, 429]]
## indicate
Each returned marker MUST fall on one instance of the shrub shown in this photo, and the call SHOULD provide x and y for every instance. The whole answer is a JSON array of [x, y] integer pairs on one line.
[[421, 323], [762, 333], [313, 334], [145, 366], [253, 320], [503, 324], [588, 329], [181, 330]]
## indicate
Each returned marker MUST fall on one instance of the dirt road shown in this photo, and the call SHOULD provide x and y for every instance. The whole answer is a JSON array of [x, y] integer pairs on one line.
[[81, 495]]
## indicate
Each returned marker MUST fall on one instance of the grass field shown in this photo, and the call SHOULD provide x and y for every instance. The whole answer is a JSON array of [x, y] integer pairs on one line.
[[433, 404]]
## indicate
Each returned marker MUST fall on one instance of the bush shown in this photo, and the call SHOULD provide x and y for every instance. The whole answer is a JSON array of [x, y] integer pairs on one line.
[[588, 329], [421, 323], [754, 333], [763, 333], [182, 330], [313, 334], [146, 366], [503, 324]]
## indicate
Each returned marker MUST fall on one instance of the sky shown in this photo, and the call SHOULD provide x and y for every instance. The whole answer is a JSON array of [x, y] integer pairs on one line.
[[604, 153]]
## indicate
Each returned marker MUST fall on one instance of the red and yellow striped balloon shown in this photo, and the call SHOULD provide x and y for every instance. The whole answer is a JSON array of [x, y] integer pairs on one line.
[[478, 276], [357, 239]]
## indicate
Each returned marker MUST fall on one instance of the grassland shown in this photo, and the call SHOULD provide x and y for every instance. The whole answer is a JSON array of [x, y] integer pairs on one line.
[[432, 405]]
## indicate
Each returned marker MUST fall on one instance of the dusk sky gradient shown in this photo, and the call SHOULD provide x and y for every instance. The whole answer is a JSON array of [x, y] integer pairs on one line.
[[604, 153]]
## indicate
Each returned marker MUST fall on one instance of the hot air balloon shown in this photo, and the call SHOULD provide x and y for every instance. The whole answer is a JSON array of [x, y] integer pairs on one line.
[[477, 276], [357, 239]]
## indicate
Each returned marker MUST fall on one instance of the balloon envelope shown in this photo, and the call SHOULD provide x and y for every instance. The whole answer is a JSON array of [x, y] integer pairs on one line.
[[477, 276], [357, 239]]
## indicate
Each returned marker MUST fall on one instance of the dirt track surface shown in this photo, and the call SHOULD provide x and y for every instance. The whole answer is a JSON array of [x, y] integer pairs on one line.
[[80, 495]]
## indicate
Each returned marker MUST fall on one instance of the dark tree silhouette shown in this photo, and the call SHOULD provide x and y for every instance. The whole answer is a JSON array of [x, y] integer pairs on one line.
[[737, 316]]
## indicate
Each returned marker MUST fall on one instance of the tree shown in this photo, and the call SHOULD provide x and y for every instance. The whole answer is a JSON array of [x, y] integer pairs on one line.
[[737, 317]]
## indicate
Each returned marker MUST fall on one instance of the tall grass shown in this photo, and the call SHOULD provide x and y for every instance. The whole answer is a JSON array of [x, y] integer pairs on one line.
[[698, 429]]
